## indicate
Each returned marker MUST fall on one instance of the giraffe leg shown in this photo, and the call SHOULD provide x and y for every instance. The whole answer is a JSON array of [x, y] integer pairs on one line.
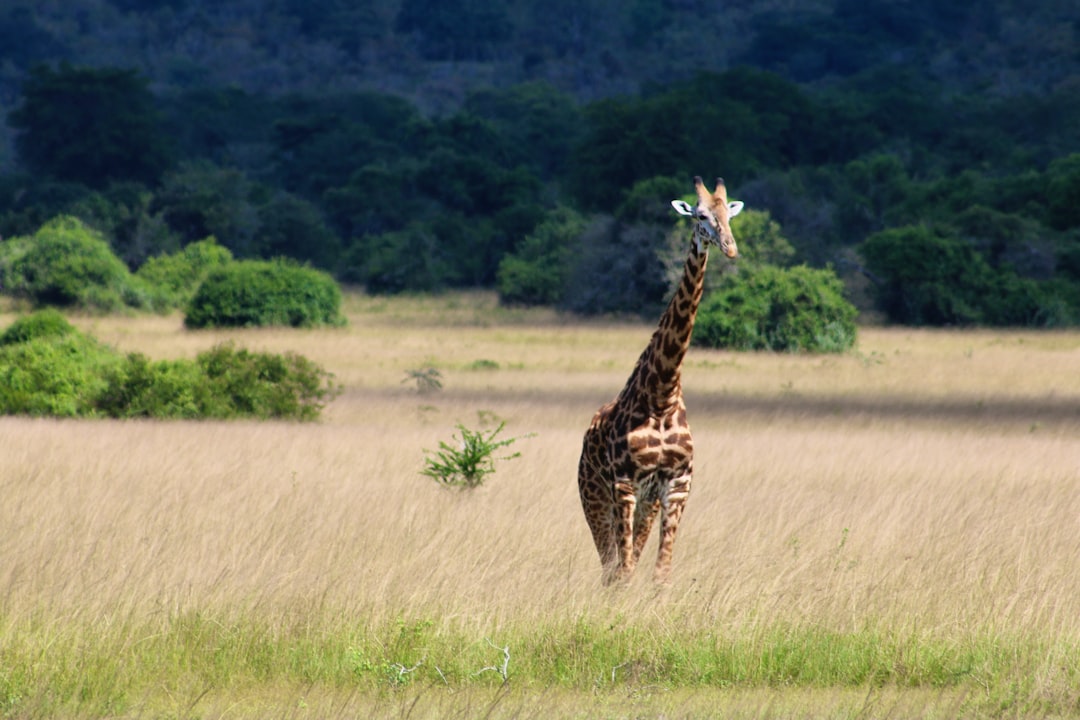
[[644, 515], [598, 515], [623, 526], [678, 491], [595, 496]]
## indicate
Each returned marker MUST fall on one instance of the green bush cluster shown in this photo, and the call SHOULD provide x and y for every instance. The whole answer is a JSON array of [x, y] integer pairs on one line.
[[68, 264], [176, 276], [48, 368], [258, 292], [796, 309], [47, 323], [929, 276], [223, 382], [53, 371]]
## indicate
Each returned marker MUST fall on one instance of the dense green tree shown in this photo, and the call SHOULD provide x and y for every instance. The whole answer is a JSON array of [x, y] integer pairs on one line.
[[760, 239], [928, 276], [455, 29], [378, 198], [226, 125], [177, 275], [740, 121], [616, 268], [24, 41], [346, 23], [411, 259], [1063, 192], [292, 227], [30, 201], [320, 142], [536, 272], [200, 199], [90, 126], [539, 125]]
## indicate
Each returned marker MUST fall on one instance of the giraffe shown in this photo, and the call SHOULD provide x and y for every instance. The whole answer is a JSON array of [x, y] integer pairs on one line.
[[637, 455]]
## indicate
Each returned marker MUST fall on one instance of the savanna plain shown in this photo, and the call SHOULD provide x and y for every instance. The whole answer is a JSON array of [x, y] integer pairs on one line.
[[892, 532]]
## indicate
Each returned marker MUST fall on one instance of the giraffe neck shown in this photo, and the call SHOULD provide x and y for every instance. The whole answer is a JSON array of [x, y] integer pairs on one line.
[[658, 374]]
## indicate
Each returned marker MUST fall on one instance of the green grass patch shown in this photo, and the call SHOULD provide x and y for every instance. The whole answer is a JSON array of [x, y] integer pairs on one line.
[[120, 665]]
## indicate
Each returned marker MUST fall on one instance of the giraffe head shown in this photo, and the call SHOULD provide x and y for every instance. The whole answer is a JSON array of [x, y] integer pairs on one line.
[[712, 213]]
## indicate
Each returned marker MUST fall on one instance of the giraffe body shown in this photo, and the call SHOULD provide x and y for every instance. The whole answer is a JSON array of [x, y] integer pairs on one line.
[[638, 453]]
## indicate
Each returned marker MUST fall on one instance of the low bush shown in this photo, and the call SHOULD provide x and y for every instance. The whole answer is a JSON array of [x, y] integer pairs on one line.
[[47, 323], [49, 368], [59, 375], [177, 275], [223, 382], [536, 272], [798, 309], [257, 293], [466, 462], [66, 263]]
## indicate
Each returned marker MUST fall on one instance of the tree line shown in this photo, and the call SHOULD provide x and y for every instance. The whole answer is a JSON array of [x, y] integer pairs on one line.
[[925, 200]]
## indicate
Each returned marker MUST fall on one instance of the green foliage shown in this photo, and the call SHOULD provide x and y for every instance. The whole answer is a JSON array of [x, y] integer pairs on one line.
[[437, 188], [535, 273], [49, 368], [798, 309], [292, 227], [200, 199], [89, 125], [928, 276], [406, 260], [761, 239], [47, 323], [66, 263], [179, 274], [224, 382], [635, 138], [256, 293], [466, 462], [540, 124], [60, 375], [427, 379], [455, 29], [617, 268], [1063, 192]]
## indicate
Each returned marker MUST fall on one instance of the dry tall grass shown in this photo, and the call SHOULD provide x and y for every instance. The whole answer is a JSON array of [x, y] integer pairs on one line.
[[927, 484]]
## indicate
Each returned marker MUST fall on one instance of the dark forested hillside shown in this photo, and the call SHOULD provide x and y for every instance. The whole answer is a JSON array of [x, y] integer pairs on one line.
[[532, 146]]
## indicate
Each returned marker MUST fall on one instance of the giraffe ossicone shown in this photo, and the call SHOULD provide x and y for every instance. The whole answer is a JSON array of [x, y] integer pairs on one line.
[[637, 455]]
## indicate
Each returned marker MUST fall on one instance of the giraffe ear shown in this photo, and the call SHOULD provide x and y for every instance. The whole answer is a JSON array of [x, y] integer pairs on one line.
[[734, 208], [682, 207]]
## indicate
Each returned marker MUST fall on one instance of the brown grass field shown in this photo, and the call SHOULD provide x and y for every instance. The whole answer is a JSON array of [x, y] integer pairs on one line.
[[915, 502]]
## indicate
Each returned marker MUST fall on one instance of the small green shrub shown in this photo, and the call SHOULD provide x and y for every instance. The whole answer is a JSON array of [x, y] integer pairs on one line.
[[535, 273], [178, 275], [139, 387], [264, 385], [66, 263], [258, 293], [797, 309], [427, 379], [47, 323], [466, 462], [59, 375]]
